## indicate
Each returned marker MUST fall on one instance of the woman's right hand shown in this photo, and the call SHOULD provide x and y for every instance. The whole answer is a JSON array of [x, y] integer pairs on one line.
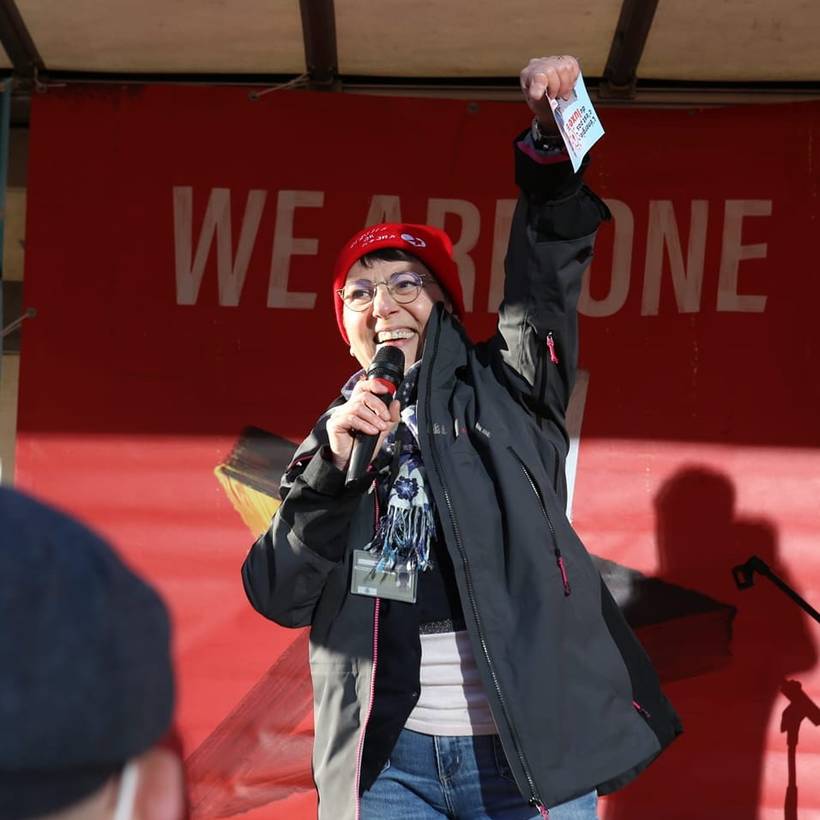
[[363, 412]]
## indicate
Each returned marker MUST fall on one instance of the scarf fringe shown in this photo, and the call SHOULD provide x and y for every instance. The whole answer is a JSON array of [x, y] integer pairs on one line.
[[403, 538]]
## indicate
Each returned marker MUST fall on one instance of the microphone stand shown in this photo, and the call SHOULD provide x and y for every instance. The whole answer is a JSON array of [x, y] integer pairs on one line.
[[744, 578], [800, 705], [800, 708]]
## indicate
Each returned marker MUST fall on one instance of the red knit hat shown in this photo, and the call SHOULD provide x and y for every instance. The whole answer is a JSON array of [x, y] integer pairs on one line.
[[429, 244]]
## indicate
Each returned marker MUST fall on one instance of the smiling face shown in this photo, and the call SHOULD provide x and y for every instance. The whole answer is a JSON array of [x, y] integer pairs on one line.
[[387, 321]]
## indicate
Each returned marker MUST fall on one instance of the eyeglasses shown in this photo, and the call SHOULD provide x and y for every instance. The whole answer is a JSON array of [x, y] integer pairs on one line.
[[404, 287]]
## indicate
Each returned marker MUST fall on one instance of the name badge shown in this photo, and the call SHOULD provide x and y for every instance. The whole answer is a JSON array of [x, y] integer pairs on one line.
[[395, 584]]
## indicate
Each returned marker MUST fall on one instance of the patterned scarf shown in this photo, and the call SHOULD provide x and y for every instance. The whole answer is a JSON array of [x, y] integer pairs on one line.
[[407, 526]]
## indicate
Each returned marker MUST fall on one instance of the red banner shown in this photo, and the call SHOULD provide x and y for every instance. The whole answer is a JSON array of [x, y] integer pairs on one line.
[[179, 248]]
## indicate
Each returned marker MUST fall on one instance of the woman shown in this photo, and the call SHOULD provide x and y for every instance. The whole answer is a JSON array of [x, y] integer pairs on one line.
[[493, 676]]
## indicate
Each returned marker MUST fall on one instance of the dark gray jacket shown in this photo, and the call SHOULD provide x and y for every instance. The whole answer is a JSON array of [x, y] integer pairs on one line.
[[575, 699]]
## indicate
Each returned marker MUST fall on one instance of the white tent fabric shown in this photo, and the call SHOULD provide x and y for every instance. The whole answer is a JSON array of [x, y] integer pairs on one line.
[[703, 40]]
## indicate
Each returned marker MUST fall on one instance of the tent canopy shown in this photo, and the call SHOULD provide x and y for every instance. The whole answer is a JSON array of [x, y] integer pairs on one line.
[[744, 43]]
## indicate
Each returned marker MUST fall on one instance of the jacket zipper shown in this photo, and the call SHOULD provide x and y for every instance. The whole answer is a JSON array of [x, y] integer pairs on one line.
[[559, 558], [551, 348], [543, 376], [360, 749], [372, 694], [534, 799]]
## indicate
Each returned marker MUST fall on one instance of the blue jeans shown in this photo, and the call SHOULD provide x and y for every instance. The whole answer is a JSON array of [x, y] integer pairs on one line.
[[461, 778]]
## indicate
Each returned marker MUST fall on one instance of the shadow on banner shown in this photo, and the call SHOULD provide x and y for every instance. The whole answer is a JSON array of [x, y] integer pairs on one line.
[[715, 770]]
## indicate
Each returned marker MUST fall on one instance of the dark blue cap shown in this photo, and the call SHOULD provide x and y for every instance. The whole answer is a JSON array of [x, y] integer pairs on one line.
[[85, 672]]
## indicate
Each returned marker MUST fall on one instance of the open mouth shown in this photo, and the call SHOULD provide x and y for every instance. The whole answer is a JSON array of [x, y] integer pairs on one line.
[[384, 336]]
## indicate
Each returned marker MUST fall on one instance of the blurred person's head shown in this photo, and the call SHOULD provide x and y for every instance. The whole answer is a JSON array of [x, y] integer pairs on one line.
[[86, 685]]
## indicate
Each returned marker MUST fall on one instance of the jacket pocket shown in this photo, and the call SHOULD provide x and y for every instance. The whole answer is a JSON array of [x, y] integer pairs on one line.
[[559, 558], [556, 469]]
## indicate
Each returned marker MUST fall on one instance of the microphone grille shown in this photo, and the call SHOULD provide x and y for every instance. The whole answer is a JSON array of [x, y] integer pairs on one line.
[[388, 360]]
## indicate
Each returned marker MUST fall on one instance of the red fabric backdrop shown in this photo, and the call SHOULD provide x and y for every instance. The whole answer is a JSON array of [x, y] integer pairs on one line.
[[699, 444]]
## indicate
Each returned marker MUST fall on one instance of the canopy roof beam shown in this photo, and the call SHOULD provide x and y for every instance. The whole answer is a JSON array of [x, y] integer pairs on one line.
[[16, 40], [620, 76], [319, 32]]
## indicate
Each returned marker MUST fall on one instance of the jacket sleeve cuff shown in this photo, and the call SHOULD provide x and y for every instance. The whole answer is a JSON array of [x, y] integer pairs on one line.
[[325, 478], [551, 176], [322, 475]]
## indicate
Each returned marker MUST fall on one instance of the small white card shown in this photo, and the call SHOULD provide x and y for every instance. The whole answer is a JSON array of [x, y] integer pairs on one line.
[[578, 122]]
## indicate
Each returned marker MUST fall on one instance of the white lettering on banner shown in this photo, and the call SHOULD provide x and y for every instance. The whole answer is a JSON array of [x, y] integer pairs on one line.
[[437, 210], [286, 245], [383, 208], [663, 242], [217, 220], [621, 266], [687, 278], [504, 210], [732, 252]]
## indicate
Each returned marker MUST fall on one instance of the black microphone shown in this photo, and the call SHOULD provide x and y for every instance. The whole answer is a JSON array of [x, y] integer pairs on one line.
[[388, 368]]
